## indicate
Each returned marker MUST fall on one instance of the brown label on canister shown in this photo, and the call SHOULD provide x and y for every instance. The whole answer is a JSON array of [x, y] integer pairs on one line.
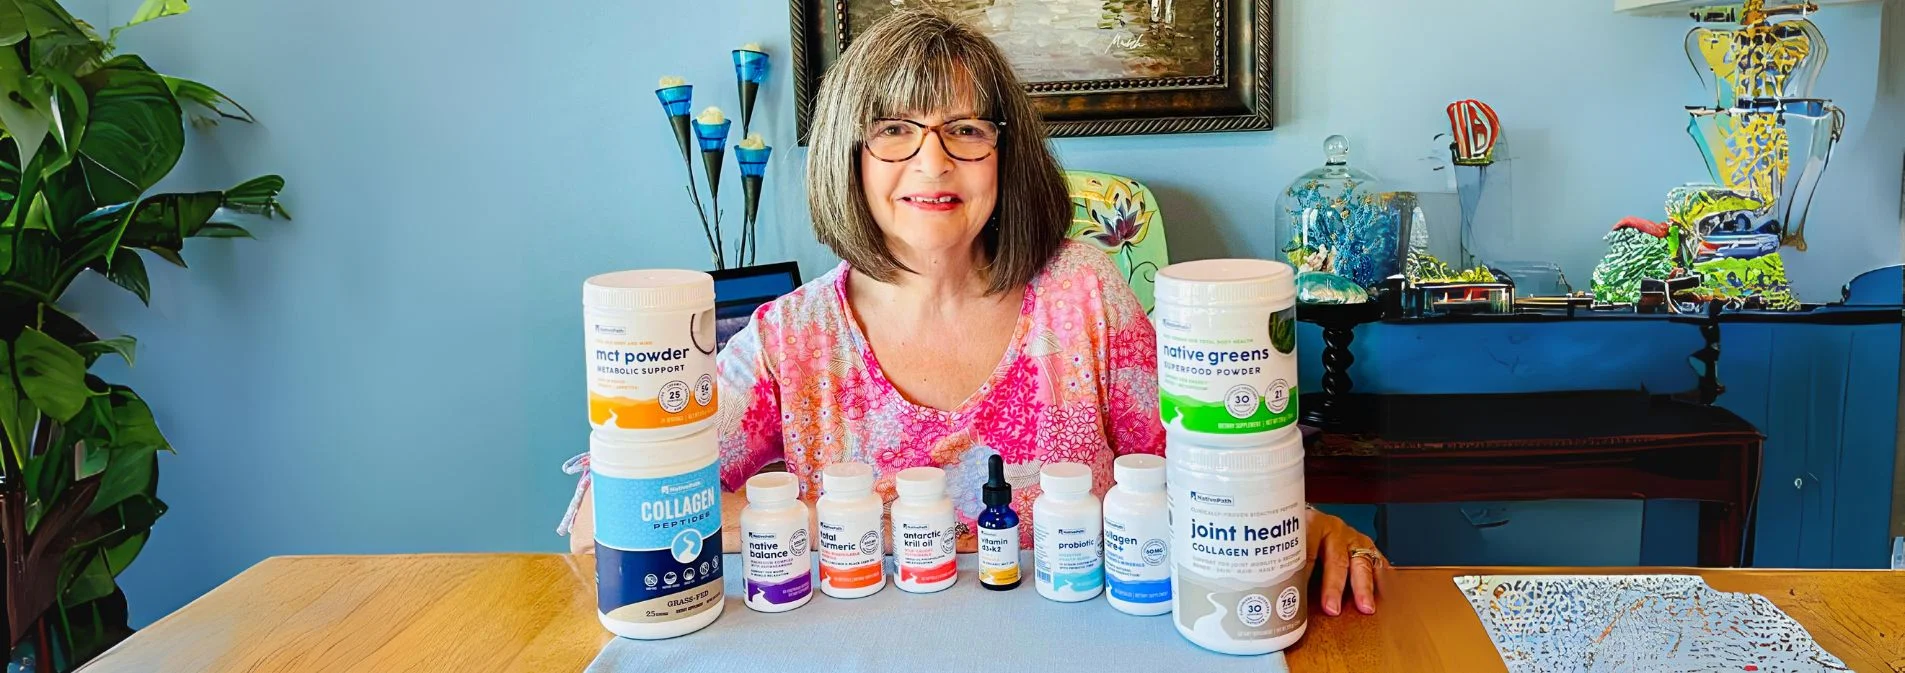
[[670, 607], [1223, 609]]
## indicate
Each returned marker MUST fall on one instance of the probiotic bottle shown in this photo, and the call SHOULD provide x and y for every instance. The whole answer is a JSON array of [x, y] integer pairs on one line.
[[1065, 535], [1239, 565], [850, 558], [1138, 537], [925, 534], [778, 573]]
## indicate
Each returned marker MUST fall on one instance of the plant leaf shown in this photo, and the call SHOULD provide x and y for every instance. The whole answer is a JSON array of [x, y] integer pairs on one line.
[[51, 373], [91, 583], [128, 270], [149, 10], [59, 41], [47, 476], [25, 105], [166, 220], [123, 345], [222, 230], [170, 255], [35, 269], [135, 133], [134, 421], [204, 97], [10, 408], [258, 196], [121, 555], [129, 473]]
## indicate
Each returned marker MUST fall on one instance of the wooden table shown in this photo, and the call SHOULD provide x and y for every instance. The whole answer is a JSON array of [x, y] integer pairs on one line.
[[534, 612]]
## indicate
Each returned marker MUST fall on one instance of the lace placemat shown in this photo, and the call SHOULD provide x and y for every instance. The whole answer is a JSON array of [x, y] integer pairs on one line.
[[1656, 623]]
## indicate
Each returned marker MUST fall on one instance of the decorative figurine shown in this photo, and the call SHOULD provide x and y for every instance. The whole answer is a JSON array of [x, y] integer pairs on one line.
[[1765, 145], [1331, 221]]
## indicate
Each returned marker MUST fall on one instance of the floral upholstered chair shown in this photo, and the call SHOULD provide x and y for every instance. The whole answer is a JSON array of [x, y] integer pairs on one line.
[[1119, 216]]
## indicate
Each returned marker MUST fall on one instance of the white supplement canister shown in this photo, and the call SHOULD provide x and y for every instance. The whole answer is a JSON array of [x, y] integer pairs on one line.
[[851, 559], [1138, 537], [1239, 568], [657, 533], [1067, 552], [777, 573], [1227, 349], [649, 342], [925, 532]]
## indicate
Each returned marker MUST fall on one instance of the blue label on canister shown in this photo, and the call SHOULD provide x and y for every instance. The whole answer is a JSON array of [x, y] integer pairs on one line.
[[658, 545], [1140, 591]]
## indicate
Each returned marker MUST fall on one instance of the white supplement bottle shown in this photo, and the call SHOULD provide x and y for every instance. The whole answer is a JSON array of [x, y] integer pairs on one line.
[[1138, 537], [925, 534], [1066, 521], [1239, 567], [657, 534], [851, 562], [1227, 349], [649, 342], [777, 572]]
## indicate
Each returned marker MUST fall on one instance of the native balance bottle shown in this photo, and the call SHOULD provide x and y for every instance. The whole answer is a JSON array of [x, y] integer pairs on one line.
[[657, 534], [777, 571], [1065, 535], [925, 534], [1138, 537], [851, 562], [649, 343]]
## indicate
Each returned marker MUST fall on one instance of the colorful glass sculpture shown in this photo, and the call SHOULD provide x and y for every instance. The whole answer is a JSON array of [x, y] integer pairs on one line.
[[1332, 220], [1765, 144]]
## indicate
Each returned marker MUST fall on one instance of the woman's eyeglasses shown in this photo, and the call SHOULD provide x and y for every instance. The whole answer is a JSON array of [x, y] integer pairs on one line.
[[895, 140]]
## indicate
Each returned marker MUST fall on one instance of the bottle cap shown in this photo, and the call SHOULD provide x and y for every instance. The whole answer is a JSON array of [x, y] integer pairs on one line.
[[1065, 478], [920, 482], [649, 290], [1139, 472], [771, 487], [996, 491], [847, 478]]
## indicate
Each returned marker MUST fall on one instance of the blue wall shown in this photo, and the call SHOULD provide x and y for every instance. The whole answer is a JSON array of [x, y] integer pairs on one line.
[[395, 370]]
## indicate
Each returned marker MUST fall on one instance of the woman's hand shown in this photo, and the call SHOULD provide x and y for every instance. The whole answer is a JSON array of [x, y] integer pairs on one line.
[[1334, 546]]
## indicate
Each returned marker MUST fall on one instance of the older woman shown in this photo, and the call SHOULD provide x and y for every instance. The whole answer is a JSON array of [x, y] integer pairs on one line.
[[961, 323]]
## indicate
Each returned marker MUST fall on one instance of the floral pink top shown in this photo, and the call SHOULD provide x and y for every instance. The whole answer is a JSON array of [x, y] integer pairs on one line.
[[1078, 383]]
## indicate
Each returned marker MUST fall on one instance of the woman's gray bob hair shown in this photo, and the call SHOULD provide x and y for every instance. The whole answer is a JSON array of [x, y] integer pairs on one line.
[[918, 61]]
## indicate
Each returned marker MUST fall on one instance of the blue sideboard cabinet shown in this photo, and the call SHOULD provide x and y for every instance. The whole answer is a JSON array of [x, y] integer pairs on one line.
[[1825, 395]]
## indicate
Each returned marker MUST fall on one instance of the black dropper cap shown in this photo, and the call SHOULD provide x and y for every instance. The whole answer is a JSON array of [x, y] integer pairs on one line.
[[996, 491]]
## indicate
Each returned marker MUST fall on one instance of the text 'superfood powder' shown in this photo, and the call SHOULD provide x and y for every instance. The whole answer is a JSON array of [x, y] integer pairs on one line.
[[1227, 348]]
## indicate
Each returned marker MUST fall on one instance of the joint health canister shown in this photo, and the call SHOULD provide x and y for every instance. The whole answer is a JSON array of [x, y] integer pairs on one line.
[[657, 534], [1227, 349], [1238, 554], [649, 342]]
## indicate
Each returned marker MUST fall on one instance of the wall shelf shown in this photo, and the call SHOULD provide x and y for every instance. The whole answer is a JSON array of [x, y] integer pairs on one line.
[[1681, 7]]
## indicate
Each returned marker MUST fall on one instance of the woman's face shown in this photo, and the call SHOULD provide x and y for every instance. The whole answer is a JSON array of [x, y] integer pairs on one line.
[[932, 202]]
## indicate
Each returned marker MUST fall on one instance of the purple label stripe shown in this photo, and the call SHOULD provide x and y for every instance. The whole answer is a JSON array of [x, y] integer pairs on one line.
[[784, 592]]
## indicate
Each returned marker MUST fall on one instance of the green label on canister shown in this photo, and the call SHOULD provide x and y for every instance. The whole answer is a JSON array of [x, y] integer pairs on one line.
[[1227, 372]]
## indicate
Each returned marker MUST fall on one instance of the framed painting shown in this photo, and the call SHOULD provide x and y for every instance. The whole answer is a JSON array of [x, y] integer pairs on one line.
[[1093, 67]]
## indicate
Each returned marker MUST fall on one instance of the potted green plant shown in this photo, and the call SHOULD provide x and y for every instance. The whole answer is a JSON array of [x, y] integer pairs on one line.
[[85, 133]]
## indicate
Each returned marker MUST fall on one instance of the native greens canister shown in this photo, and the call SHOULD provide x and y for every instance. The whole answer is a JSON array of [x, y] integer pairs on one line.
[[1227, 349]]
